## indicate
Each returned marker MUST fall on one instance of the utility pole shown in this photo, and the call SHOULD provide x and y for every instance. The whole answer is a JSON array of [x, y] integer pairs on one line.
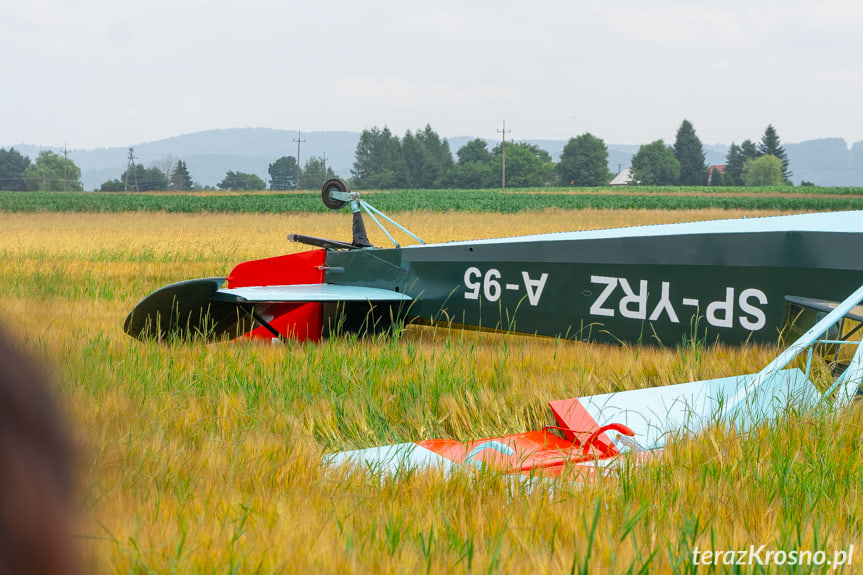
[[65, 160], [325, 165], [298, 141], [504, 132], [131, 168]]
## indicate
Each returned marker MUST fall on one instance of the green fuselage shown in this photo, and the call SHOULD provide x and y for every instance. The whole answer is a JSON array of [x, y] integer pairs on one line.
[[728, 285]]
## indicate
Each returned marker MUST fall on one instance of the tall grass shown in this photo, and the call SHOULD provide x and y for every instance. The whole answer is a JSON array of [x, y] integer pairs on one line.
[[207, 458]]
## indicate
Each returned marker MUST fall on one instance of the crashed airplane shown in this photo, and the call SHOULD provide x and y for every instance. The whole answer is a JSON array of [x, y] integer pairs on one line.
[[594, 432], [733, 281]]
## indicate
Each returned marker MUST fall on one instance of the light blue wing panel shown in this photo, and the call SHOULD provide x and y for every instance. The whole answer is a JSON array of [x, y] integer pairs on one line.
[[307, 293], [392, 458]]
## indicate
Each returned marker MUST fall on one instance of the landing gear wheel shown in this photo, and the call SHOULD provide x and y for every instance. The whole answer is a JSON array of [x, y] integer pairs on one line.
[[334, 185]]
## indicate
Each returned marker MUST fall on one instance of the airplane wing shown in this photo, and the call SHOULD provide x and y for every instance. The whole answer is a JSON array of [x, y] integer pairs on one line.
[[202, 308], [307, 293], [598, 428], [820, 306]]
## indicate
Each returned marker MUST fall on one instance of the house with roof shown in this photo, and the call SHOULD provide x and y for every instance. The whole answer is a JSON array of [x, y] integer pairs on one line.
[[720, 168], [623, 178]]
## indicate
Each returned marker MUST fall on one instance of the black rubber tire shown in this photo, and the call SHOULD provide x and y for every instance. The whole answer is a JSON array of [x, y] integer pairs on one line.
[[338, 185]]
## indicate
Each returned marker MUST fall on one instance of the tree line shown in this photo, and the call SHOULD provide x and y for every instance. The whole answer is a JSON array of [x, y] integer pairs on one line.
[[284, 174], [49, 172], [750, 164], [423, 160], [168, 174], [173, 175]]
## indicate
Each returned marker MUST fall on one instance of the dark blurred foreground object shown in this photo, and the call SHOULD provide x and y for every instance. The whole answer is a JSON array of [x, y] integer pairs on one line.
[[35, 473]]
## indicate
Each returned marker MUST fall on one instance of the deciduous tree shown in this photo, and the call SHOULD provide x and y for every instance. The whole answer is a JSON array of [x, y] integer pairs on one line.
[[167, 164], [584, 162], [283, 173], [763, 171], [241, 181], [475, 150], [140, 179], [113, 186], [655, 165], [527, 165], [315, 173], [475, 167], [51, 172], [147, 179], [475, 175]]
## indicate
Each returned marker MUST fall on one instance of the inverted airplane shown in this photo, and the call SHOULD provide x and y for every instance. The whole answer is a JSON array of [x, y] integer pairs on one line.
[[733, 281]]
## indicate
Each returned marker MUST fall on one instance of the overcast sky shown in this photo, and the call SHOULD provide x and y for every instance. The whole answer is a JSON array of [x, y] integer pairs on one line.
[[98, 73]]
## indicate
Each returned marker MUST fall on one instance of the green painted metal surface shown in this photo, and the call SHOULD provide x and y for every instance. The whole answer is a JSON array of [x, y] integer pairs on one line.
[[661, 289]]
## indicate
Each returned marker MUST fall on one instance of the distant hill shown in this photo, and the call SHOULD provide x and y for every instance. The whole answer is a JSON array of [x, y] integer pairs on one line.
[[211, 153], [826, 162]]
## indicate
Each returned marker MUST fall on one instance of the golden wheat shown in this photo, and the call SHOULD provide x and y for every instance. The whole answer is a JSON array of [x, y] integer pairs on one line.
[[207, 458]]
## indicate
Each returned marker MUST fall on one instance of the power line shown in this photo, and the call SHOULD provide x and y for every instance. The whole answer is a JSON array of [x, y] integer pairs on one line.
[[503, 132], [131, 168], [298, 141], [65, 161]]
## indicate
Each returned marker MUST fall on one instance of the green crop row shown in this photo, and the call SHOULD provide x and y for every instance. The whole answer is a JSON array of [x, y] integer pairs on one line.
[[411, 200], [712, 190]]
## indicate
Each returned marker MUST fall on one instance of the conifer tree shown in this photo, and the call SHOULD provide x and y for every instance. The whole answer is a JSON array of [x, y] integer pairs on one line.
[[734, 163], [690, 153], [12, 168], [770, 146], [180, 178], [749, 150]]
